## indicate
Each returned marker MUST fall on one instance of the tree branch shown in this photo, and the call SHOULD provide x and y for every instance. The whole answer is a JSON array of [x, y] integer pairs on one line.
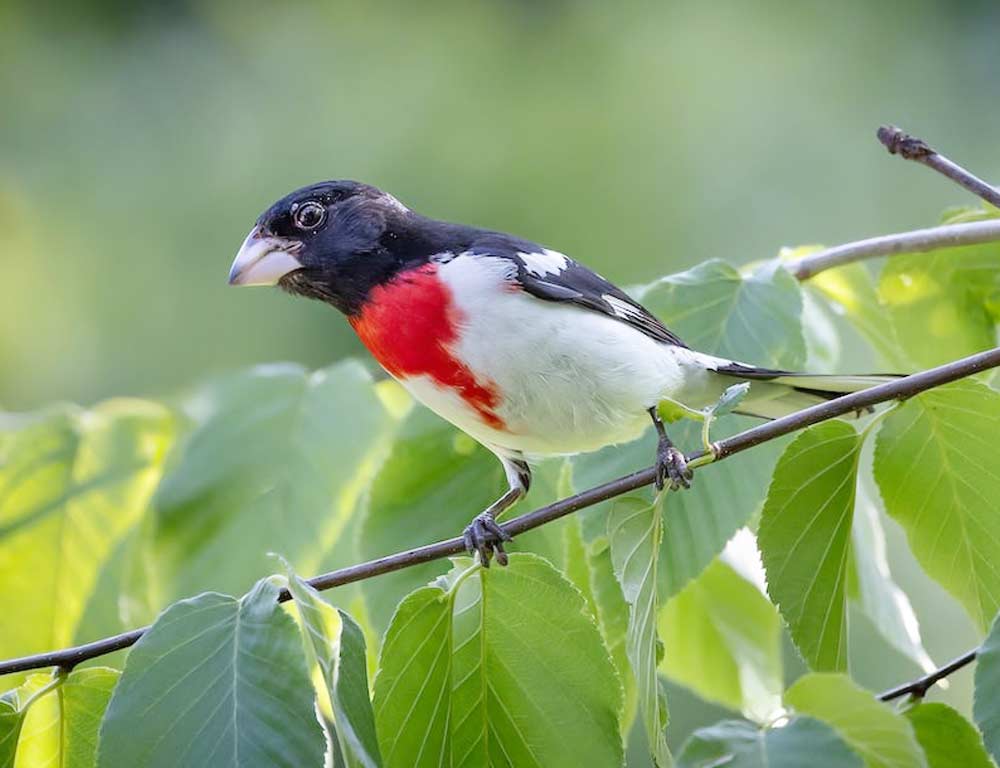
[[918, 688], [898, 142], [898, 389], [917, 241], [921, 240]]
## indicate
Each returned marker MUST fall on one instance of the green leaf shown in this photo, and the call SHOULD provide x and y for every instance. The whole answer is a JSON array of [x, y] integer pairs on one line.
[[986, 702], [883, 737], [804, 538], [60, 719], [935, 464], [72, 484], [334, 641], [576, 556], [413, 685], [434, 482], [738, 744], [753, 318], [942, 304], [13, 709], [216, 681], [612, 618], [124, 595], [497, 667], [851, 290], [10, 729], [722, 639], [731, 398], [700, 520], [947, 738], [277, 463], [635, 529], [874, 590]]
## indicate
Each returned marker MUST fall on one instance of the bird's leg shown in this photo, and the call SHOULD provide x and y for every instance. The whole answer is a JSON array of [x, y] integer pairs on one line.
[[483, 534], [670, 462]]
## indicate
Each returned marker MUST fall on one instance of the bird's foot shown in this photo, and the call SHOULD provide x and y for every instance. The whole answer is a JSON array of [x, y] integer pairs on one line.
[[485, 536], [671, 465]]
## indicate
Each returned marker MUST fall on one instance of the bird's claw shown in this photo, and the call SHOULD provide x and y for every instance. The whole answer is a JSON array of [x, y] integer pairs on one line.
[[671, 465], [485, 536]]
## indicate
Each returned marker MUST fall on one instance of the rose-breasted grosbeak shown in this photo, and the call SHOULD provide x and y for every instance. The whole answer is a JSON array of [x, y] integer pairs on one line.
[[519, 346]]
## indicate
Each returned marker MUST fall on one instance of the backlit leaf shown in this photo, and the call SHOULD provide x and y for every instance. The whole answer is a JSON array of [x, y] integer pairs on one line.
[[882, 736], [873, 587], [72, 484], [942, 304], [852, 291], [335, 642], [722, 639], [60, 719], [277, 463]]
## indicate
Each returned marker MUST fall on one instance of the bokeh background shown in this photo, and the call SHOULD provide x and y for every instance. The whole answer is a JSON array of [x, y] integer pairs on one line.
[[140, 140]]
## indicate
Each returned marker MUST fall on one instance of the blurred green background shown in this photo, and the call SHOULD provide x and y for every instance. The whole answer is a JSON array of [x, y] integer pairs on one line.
[[139, 141]]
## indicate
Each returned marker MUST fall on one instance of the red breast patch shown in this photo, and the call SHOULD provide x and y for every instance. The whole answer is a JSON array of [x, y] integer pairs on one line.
[[409, 325]]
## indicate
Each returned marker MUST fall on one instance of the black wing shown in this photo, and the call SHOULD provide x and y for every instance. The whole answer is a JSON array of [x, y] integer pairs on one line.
[[555, 277]]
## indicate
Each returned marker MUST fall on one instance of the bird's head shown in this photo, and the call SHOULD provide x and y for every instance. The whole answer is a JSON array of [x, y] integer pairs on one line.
[[330, 241]]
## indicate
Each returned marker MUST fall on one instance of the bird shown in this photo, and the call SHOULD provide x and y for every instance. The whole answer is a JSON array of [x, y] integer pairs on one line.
[[527, 351]]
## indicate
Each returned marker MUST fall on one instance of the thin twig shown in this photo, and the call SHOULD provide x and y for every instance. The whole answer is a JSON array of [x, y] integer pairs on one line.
[[917, 241], [897, 389], [922, 240], [898, 142], [918, 688]]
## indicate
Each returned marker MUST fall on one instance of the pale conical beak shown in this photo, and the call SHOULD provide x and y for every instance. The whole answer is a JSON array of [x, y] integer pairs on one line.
[[263, 260]]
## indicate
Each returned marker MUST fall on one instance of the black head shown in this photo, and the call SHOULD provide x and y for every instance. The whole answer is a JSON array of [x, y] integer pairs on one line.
[[331, 241]]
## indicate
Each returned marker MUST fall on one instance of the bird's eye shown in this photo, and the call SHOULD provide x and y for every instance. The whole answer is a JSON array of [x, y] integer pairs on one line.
[[308, 215]]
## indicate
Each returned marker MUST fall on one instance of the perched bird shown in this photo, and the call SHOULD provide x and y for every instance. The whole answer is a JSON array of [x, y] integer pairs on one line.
[[527, 351]]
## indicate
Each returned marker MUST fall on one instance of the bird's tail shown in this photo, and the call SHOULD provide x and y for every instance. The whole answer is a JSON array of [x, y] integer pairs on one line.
[[778, 393]]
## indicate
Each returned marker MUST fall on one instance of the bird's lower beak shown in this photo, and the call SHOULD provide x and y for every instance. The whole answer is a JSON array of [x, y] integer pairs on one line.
[[263, 260]]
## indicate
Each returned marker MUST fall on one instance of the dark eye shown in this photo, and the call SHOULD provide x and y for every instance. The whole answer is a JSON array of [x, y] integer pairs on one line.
[[308, 215]]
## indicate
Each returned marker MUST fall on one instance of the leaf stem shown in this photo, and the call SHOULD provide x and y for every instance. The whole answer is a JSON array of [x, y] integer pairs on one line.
[[55, 682], [706, 427], [892, 390]]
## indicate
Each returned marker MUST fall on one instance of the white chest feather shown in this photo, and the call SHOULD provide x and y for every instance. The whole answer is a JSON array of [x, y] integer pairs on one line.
[[570, 380]]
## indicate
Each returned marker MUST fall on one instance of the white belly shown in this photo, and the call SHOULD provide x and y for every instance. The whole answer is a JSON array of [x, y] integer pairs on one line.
[[570, 380]]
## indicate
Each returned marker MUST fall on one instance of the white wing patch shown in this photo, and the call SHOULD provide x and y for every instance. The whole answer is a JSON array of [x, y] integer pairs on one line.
[[545, 263], [621, 308]]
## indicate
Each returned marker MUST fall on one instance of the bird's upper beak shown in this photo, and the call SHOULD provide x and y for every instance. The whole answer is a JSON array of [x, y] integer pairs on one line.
[[263, 260]]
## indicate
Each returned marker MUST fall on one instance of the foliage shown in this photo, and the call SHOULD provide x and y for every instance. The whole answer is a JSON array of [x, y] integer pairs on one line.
[[498, 667], [806, 556], [123, 513]]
